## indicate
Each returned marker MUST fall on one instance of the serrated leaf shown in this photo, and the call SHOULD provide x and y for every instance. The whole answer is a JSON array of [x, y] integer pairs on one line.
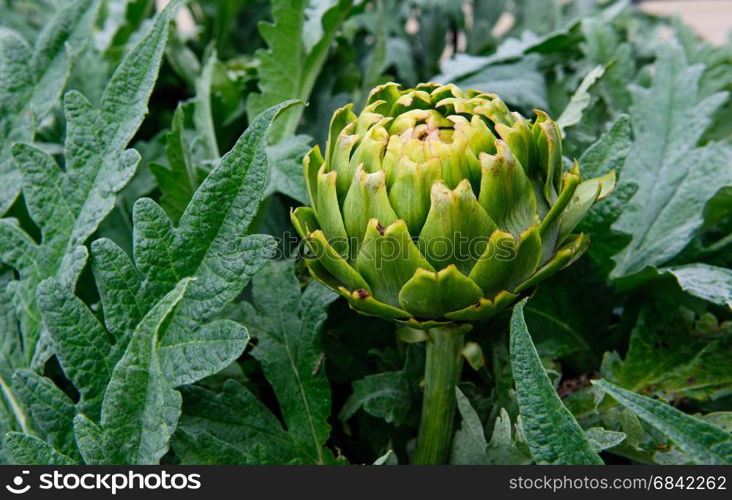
[[210, 244], [135, 425], [603, 439], [671, 172], [666, 357], [506, 446], [190, 143], [52, 412], [702, 442], [469, 444], [288, 69], [286, 325], [234, 426], [179, 179], [119, 283], [32, 79], [603, 45], [81, 343], [30, 450], [227, 428], [69, 204], [552, 433]]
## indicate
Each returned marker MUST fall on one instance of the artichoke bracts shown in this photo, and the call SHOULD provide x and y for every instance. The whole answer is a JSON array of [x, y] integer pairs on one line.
[[436, 206]]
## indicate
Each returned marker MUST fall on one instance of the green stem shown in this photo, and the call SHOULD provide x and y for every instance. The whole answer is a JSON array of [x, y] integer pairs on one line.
[[442, 374]]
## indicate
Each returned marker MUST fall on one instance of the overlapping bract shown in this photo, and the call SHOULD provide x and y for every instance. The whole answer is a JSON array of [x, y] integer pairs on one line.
[[436, 205]]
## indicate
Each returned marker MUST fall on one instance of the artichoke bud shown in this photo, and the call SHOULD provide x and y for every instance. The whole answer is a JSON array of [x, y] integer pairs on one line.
[[436, 205]]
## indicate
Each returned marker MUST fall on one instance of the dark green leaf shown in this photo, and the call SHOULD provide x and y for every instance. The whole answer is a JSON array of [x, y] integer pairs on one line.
[[288, 69], [286, 325], [32, 79], [671, 172], [551, 431], [136, 425], [29, 450], [703, 442]]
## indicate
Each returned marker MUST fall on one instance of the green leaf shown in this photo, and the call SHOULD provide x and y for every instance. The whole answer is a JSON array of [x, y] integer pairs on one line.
[[202, 114], [286, 325], [581, 98], [519, 83], [506, 445], [178, 180], [52, 412], [608, 153], [469, 444], [603, 439], [711, 283], [229, 427], [288, 69], [10, 341], [32, 79], [234, 426], [702, 442], [671, 172], [81, 344], [551, 431], [388, 395], [136, 424], [210, 244], [669, 358], [30, 450], [285, 175], [69, 204], [118, 282], [190, 145], [604, 45], [123, 21]]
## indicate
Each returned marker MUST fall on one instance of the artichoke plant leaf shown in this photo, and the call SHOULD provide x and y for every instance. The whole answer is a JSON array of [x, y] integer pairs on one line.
[[703, 442], [553, 435], [667, 163], [32, 80], [286, 323]]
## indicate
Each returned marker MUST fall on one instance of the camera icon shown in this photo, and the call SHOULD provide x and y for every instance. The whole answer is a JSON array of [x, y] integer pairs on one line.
[[17, 487]]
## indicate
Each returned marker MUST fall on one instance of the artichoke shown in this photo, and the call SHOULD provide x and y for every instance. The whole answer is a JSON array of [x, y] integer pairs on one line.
[[437, 206]]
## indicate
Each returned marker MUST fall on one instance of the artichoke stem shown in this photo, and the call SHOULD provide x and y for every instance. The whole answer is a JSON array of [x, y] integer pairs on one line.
[[442, 374]]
